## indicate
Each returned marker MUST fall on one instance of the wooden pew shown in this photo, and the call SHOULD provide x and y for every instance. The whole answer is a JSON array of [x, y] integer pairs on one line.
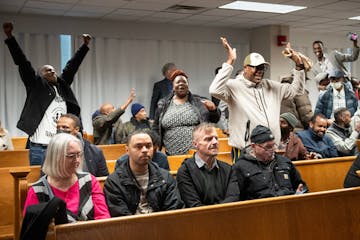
[[14, 158], [326, 171], [175, 161], [220, 133], [111, 165], [22, 179], [19, 143], [224, 145], [329, 215], [324, 174], [7, 199], [113, 151], [89, 137]]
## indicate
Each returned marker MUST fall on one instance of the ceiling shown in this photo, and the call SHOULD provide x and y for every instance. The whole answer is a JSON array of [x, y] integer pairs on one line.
[[320, 16]]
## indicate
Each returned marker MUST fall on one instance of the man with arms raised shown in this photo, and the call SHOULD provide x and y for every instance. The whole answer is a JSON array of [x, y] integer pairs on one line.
[[251, 99], [47, 95]]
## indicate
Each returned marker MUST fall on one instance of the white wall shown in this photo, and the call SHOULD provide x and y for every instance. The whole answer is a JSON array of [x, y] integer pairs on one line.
[[244, 40], [143, 78]]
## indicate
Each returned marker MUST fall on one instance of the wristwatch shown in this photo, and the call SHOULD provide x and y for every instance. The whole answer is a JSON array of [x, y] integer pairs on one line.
[[300, 66]]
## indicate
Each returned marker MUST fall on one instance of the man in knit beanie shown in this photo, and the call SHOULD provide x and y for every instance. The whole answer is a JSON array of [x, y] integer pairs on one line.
[[290, 143], [261, 173], [139, 120]]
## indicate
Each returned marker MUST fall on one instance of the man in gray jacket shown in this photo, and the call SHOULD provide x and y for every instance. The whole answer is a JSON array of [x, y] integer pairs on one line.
[[108, 121]]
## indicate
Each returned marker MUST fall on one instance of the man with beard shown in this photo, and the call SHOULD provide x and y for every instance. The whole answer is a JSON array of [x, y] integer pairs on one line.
[[290, 142], [202, 179], [342, 135], [139, 186], [336, 96], [315, 140], [252, 99], [260, 173]]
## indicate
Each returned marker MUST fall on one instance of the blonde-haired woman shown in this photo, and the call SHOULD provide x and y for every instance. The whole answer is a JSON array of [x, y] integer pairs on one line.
[[80, 191]]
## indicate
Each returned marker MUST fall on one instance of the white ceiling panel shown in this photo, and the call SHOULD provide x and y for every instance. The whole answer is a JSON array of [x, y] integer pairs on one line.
[[320, 15]]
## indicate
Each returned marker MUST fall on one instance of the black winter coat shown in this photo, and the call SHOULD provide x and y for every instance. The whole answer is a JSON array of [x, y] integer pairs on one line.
[[39, 93], [123, 194], [257, 180]]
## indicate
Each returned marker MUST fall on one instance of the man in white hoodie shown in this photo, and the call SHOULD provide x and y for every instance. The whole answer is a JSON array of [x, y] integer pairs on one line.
[[253, 100]]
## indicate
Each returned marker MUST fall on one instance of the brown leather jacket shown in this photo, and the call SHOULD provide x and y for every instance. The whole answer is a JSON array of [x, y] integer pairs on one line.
[[295, 149]]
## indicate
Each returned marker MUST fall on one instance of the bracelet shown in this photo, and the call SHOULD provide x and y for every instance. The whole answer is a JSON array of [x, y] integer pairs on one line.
[[300, 67]]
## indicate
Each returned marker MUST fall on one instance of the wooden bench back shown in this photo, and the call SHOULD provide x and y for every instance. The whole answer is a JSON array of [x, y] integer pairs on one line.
[[19, 143], [14, 158], [330, 215], [7, 188], [324, 174], [113, 151], [111, 165]]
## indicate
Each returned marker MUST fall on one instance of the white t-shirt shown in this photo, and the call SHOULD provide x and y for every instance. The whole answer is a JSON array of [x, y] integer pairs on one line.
[[47, 127]]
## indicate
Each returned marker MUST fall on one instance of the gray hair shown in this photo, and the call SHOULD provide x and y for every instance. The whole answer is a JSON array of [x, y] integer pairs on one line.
[[202, 127], [167, 67], [54, 164]]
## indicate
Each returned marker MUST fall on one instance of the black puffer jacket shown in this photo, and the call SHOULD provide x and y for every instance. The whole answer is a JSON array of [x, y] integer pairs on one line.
[[123, 194], [257, 180]]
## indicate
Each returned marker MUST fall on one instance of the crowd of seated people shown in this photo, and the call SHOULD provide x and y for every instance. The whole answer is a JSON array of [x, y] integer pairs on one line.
[[142, 183]]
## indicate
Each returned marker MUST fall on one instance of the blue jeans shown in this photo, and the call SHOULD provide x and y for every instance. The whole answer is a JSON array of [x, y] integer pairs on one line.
[[37, 154]]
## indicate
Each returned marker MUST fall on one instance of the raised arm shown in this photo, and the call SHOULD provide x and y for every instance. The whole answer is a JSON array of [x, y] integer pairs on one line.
[[218, 86], [129, 100], [73, 64], [26, 71], [230, 51]]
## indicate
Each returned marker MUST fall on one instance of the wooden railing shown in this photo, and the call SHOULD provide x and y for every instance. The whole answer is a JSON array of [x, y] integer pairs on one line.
[[330, 215]]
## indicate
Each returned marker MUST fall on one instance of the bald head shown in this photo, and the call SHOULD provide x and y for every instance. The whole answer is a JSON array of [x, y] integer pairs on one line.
[[48, 73], [107, 108]]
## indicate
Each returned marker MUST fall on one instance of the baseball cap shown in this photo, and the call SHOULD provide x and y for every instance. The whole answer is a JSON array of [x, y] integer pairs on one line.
[[336, 74], [261, 134], [254, 59]]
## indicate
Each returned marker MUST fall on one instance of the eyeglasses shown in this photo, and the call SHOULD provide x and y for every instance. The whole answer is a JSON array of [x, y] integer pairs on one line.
[[261, 67], [75, 155], [268, 148]]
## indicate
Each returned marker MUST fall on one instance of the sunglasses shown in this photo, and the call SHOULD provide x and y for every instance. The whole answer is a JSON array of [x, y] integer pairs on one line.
[[261, 67]]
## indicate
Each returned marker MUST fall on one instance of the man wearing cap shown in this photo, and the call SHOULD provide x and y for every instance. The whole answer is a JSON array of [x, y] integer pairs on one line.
[[334, 60], [342, 134], [251, 99], [139, 120], [291, 143], [336, 96], [108, 122], [315, 140], [261, 173]]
